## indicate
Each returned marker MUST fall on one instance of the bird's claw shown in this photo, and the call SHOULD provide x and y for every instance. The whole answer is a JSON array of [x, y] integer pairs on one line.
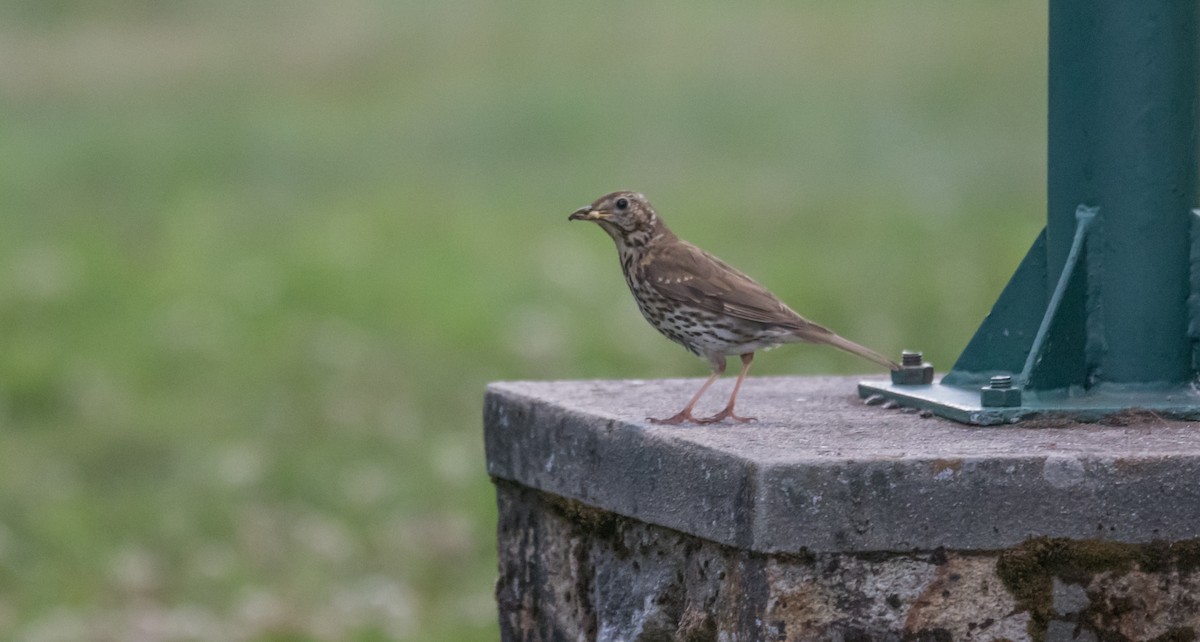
[[723, 415], [684, 417], [673, 420]]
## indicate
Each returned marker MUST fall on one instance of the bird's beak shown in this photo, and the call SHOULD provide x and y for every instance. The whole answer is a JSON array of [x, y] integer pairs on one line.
[[586, 213]]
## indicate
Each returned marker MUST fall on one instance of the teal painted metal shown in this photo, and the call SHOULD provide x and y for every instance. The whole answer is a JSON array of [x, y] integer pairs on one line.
[[1002, 343], [1145, 184], [1194, 297], [1103, 315], [1056, 359]]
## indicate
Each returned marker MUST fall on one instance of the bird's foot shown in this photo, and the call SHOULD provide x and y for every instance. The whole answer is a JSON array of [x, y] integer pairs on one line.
[[685, 416], [723, 415], [682, 416]]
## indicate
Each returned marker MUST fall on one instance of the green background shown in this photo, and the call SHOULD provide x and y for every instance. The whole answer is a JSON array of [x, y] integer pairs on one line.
[[258, 261]]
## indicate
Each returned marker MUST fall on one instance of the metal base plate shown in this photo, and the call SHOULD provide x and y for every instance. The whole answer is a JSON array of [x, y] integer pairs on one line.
[[963, 404]]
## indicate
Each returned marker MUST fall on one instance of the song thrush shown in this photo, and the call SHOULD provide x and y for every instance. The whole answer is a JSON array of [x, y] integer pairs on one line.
[[699, 301]]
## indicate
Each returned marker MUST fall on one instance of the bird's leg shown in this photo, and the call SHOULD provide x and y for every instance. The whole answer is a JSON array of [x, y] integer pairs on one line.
[[718, 368], [727, 413]]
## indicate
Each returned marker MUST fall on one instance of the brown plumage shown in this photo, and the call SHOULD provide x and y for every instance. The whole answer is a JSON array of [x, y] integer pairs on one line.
[[699, 301]]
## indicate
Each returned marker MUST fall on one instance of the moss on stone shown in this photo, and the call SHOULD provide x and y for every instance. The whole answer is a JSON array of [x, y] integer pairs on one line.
[[1028, 571]]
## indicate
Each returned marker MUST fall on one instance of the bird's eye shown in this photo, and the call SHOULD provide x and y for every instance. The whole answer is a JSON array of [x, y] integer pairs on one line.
[[622, 204]]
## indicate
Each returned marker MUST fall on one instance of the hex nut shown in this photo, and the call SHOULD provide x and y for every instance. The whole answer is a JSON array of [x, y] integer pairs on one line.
[[921, 375], [990, 397]]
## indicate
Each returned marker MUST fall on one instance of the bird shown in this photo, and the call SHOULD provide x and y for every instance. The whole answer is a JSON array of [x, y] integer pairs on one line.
[[699, 301]]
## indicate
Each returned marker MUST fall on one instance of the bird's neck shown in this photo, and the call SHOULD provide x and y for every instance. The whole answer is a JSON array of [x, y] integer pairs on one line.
[[634, 250], [640, 240]]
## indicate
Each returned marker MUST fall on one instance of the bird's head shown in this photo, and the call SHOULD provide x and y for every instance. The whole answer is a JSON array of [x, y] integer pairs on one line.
[[626, 216]]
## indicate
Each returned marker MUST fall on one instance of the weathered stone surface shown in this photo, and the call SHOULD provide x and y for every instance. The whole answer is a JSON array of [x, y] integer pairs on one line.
[[570, 572], [832, 520], [1064, 631], [1069, 598], [822, 472]]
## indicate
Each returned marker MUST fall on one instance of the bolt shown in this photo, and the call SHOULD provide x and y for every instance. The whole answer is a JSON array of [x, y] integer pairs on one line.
[[913, 371], [1000, 393]]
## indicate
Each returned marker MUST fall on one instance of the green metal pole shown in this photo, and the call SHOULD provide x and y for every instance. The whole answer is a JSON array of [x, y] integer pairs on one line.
[[1123, 138], [1071, 127], [1103, 315]]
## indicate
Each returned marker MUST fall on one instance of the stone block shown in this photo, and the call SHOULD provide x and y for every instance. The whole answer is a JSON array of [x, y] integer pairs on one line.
[[831, 520]]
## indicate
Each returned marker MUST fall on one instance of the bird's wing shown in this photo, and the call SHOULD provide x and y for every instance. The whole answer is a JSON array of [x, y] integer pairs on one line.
[[684, 273]]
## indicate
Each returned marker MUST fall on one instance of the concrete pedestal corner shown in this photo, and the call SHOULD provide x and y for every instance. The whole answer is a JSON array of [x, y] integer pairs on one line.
[[831, 520]]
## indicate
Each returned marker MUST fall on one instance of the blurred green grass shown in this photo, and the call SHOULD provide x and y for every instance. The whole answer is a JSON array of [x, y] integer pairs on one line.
[[257, 261]]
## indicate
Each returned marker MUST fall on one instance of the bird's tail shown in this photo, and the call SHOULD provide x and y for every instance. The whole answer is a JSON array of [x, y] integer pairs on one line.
[[806, 331], [862, 351]]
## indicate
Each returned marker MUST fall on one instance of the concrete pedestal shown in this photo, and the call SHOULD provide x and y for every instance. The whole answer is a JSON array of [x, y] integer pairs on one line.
[[831, 520]]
